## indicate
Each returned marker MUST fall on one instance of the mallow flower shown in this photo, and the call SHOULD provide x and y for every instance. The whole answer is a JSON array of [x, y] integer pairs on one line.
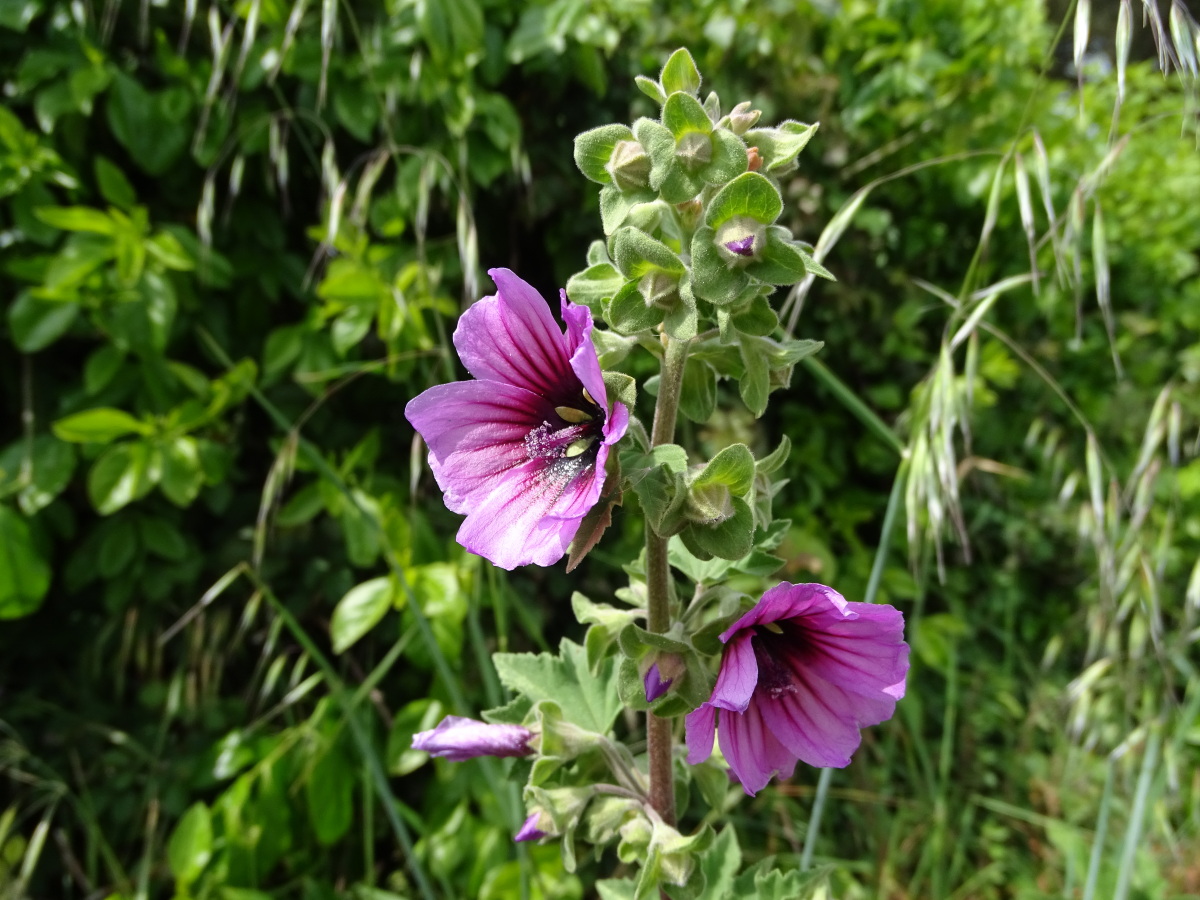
[[521, 449], [457, 738], [800, 674]]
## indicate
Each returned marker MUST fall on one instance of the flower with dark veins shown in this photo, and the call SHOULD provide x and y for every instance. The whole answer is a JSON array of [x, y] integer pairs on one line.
[[521, 449], [801, 673]]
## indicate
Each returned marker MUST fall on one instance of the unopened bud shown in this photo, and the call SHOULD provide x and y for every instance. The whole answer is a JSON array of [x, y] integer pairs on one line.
[[694, 150], [629, 166], [742, 118], [711, 504], [754, 158], [659, 289]]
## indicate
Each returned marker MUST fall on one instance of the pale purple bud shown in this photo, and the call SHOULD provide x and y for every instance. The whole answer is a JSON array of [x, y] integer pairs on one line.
[[457, 738], [656, 685], [529, 831], [742, 246]]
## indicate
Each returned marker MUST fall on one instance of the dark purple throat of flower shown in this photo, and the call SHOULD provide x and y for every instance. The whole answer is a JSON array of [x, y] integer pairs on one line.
[[779, 650], [569, 442]]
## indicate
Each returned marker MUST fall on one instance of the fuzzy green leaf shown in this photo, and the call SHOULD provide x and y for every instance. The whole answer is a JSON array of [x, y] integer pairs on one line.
[[594, 148], [589, 700], [680, 74], [750, 195]]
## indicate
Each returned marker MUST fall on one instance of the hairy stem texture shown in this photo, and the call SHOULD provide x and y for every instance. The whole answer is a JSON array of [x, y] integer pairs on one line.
[[658, 586]]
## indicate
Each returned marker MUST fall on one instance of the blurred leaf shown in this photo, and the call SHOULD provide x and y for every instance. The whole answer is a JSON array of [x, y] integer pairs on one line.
[[124, 472], [360, 610], [329, 792], [24, 574], [191, 844], [101, 425], [37, 323]]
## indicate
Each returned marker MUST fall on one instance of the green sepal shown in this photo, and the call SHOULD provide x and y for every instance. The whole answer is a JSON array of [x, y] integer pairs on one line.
[[628, 313], [712, 279], [680, 74], [712, 106], [774, 460], [597, 253], [781, 261], [780, 146], [637, 254], [606, 623], [611, 348], [615, 206], [678, 185], [731, 539], [658, 480], [698, 395], [650, 88], [729, 159], [594, 285], [683, 114], [732, 467], [622, 387], [758, 318], [682, 322], [660, 147], [594, 148], [751, 195], [636, 642]]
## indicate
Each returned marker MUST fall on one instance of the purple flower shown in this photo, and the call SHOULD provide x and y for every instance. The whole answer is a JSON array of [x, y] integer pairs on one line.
[[529, 831], [655, 684], [742, 246], [457, 738], [520, 450], [801, 673]]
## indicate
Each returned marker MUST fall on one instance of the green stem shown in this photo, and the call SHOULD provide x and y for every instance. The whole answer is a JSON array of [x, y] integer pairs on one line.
[[658, 583]]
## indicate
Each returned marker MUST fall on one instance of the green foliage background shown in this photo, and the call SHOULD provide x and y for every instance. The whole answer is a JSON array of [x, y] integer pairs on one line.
[[234, 239]]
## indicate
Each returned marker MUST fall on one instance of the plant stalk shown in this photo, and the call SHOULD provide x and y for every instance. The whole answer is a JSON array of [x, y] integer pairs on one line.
[[658, 583]]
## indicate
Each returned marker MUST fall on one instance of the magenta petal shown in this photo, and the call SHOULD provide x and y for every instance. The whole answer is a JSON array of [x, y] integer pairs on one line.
[[655, 684], [529, 830], [475, 430], [511, 337], [801, 673], [700, 725], [457, 738], [738, 675], [753, 752]]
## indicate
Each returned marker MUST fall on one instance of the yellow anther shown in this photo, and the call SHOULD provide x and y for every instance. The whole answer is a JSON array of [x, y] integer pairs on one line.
[[572, 415], [576, 447], [771, 626], [589, 398]]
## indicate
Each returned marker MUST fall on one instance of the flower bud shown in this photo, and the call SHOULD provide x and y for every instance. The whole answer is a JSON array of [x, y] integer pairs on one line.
[[530, 831], [457, 738], [662, 674], [754, 159], [742, 118], [694, 150], [655, 684], [711, 504], [629, 166], [740, 240], [660, 289]]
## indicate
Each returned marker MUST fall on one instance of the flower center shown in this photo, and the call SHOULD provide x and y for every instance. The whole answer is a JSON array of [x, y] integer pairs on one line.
[[772, 645], [571, 436]]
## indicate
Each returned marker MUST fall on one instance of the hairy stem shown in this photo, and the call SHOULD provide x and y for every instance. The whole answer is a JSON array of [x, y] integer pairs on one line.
[[658, 586]]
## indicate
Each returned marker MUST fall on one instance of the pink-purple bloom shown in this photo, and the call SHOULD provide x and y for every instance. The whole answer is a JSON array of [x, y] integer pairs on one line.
[[521, 449], [801, 673], [457, 738], [655, 684], [529, 831]]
